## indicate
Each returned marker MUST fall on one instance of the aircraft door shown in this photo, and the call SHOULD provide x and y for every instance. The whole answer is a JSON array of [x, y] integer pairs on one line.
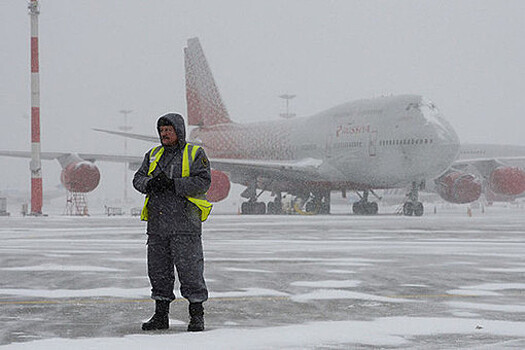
[[372, 143], [329, 146]]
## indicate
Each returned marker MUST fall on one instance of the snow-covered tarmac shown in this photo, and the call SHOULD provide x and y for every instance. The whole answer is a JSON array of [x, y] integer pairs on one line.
[[442, 281]]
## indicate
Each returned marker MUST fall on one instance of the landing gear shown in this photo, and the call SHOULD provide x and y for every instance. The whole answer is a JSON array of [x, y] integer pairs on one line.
[[304, 201], [364, 207], [413, 206], [315, 203], [252, 207], [276, 206]]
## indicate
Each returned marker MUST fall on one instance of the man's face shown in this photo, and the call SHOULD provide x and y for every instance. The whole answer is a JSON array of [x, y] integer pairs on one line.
[[168, 136]]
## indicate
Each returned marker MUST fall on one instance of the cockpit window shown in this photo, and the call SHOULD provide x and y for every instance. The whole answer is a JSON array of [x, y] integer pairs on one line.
[[422, 105], [412, 106]]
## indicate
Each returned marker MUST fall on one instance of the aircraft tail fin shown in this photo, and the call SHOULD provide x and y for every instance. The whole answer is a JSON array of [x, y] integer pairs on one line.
[[204, 102]]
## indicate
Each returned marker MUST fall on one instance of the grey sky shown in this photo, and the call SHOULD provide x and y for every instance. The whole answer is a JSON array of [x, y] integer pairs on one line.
[[98, 57]]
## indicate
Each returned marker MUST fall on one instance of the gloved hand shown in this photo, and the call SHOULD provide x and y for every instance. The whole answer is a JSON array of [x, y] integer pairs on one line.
[[164, 182], [159, 183]]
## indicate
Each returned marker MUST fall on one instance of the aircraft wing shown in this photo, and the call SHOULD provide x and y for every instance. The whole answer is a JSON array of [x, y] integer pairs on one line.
[[511, 161], [307, 169], [25, 154], [86, 156], [142, 137], [131, 135], [487, 157]]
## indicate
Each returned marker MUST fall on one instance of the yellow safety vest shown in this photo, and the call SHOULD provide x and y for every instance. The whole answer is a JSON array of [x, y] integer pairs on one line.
[[201, 202]]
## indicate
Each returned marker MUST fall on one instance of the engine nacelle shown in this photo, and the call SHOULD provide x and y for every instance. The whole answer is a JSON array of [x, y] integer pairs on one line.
[[81, 177], [459, 187], [508, 181], [220, 186]]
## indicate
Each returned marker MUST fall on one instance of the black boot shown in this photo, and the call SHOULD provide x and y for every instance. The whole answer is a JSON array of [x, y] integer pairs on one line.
[[196, 317], [160, 319]]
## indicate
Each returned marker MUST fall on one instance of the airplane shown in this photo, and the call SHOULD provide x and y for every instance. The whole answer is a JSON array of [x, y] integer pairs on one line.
[[385, 142]]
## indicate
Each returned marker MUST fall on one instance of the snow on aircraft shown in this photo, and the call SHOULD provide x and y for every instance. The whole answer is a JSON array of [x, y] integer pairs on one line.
[[386, 142]]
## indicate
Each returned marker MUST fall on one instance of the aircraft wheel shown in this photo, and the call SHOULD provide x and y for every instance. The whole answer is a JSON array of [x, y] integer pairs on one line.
[[408, 209], [418, 209], [357, 208], [245, 208], [311, 207], [372, 208], [325, 208], [270, 208], [249, 208], [274, 208], [260, 208]]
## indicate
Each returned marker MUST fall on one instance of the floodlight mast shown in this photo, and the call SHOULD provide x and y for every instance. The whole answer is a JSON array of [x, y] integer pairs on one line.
[[287, 97], [35, 165]]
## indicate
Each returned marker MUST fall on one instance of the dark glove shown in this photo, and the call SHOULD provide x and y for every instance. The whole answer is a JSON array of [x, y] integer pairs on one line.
[[159, 184], [164, 182], [151, 186]]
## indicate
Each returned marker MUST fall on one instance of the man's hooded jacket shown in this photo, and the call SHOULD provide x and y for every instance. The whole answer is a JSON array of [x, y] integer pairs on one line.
[[170, 212]]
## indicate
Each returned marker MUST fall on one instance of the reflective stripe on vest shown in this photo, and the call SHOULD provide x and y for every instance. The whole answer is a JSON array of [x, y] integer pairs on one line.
[[201, 202], [155, 153]]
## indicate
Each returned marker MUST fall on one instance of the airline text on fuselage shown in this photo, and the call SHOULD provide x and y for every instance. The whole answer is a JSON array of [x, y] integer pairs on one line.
[[348, 129]]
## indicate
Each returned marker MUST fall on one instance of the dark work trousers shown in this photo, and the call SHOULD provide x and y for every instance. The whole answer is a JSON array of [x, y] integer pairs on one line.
[[183, 251]]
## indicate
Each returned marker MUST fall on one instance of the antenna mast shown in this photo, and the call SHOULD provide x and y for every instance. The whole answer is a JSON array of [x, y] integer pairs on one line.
[[35, 165]]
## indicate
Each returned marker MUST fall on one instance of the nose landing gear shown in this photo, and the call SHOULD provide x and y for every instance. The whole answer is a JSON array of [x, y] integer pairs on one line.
[[252, 207], [413, 206]]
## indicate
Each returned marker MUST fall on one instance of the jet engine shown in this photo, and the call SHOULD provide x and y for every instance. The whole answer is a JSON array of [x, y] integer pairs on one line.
[[80, 176], [509, 181], [459, 187], [220, 186]]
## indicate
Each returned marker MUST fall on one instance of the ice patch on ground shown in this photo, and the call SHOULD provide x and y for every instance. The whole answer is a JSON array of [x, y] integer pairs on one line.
[[340, 271], [328, 294], [465, 314], [327, 284], [504, 270], [486, 289], [487, 307], [248, 292], [78, 293], [472, 292], [389, 331], [237, 269], [54, 267]]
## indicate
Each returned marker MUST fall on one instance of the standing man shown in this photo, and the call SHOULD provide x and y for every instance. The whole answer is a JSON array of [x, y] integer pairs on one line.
[[175, 177]]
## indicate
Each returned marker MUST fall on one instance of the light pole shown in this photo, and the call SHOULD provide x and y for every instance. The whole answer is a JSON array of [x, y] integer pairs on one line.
[[125, 128], [287, 115], [35, 165]]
